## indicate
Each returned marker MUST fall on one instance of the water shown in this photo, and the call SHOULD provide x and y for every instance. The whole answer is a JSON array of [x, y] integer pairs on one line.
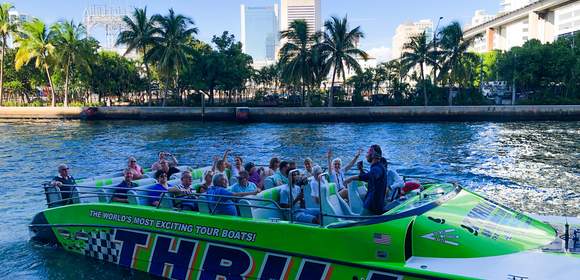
[[533, 167]]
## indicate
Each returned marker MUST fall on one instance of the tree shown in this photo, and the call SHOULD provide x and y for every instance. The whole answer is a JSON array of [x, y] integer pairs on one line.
[[296, 53], [340, 44], [455, 56], [72, 50], [171, 47], [8, 27], [418, 52], [139, 36], [35, 43]]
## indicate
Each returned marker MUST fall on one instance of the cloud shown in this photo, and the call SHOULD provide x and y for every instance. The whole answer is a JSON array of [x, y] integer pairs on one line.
[[382, 54]]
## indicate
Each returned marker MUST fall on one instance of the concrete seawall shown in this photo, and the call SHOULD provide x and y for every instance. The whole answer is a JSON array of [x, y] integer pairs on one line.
[[303, 114]]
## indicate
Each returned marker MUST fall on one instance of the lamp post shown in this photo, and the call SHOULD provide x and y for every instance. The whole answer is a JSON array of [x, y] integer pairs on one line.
[[435, 48]]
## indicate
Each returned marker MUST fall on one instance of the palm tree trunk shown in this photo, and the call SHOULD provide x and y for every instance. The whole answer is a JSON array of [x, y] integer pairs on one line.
[[424, 85], [165, 92], [331, 92], [53, 100], [2, 70], [66, 80], [303, 93], [149, 94]]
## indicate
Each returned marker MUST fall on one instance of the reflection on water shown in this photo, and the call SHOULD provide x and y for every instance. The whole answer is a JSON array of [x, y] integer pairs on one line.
[[533, 167]]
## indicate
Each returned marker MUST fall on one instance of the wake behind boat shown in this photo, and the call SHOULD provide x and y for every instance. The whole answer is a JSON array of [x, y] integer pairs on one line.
[[438, 231]]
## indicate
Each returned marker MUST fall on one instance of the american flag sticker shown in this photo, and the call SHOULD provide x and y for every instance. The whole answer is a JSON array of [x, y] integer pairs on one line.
[[383, 239]]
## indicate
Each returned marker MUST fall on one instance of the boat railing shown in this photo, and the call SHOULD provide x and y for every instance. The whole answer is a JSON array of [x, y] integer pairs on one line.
[[77, 194]]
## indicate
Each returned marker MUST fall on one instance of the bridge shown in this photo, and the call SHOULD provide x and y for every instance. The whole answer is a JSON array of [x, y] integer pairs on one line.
[[537, 18]]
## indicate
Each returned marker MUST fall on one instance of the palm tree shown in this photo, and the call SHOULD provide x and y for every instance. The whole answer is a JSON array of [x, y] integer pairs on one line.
[[172, 45], [454, 51], [69, 40], [139, 36], [418, 52], [295, 54], [7, 28], [340, 44], [35, 43]]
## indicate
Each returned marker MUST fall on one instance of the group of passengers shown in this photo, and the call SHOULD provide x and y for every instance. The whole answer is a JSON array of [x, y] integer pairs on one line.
[[223, 182]]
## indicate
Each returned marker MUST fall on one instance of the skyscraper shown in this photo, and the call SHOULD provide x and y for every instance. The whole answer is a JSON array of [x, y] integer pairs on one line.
[[260, 33], [307, 10], [405, 31]]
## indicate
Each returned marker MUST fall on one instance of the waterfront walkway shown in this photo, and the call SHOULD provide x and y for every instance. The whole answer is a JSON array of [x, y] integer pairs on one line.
[[304, 114]]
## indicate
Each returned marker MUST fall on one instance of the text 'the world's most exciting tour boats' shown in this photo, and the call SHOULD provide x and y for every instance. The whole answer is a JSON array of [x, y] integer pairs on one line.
[[441, 231]]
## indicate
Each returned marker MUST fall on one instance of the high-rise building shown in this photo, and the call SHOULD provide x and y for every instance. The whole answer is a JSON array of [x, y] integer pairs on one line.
[[259, 34], [405, 31], [307, 10], [512, 5], [523, 20]]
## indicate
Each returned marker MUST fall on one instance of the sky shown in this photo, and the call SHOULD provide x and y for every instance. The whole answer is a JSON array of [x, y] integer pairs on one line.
[[377, 18]]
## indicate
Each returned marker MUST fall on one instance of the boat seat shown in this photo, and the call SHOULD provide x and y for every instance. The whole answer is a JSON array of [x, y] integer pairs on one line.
[[262, 213], [245, 208], [333, 204], [143, 190], [53, 196], [203, 205], [308, 199], [354, 198]]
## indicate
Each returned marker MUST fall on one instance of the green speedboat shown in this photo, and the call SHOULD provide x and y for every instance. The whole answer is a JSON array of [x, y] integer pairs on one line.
[[442, 231]]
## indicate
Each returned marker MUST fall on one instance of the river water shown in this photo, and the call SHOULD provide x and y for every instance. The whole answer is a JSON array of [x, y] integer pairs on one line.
[[532, 167]]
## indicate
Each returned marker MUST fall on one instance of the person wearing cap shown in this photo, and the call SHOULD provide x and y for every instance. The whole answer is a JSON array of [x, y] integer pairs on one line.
[[244, 187], [376, 179], [65, 183]]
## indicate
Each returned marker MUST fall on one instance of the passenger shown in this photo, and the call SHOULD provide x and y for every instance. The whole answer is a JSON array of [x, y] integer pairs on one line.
[[158, 189], [164, 156], [272, 168], [308, 167], [135, 169], [65, 183], [207, 177], [300, 214], [184, 190], [244, 187], [218, 204], [238, 166], [279, 178], [337, 172], [317, 180], [120, 194], [165, 167], [291, 165], [374, 202], [254, 174]]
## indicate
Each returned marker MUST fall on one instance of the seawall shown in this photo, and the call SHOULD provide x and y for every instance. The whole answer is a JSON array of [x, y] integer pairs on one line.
[[304, 114]]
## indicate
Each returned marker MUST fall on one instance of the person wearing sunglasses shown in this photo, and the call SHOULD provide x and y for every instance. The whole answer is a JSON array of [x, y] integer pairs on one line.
[[65, 182], [158, 189], [135, 168]]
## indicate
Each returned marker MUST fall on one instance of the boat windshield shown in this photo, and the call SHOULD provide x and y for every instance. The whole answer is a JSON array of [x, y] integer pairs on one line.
[[414, 204]]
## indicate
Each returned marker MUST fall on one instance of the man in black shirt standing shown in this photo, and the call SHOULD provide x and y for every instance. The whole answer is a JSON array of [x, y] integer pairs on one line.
[[65, 183]]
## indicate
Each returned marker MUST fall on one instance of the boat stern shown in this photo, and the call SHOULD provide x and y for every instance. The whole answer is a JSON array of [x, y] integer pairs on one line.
[[41, 231]]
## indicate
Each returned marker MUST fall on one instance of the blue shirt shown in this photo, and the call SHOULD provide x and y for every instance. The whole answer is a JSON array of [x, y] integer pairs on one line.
[[376, 188], [122, 188], [275, 180], [226, 205], [237, 188], [155, 193]]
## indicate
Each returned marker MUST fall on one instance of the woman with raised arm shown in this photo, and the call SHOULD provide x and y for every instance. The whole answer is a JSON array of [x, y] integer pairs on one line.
[[337, 172]]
